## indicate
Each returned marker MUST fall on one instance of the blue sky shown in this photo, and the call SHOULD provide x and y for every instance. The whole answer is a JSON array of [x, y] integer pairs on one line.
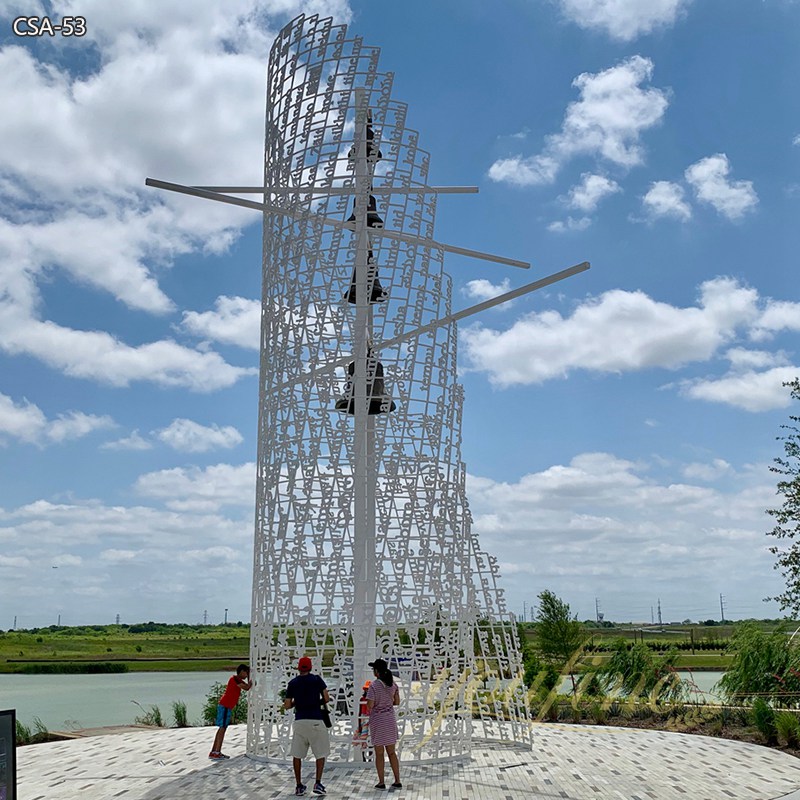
[[618, 427]]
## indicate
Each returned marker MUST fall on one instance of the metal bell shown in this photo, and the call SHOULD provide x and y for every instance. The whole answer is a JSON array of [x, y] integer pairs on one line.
[[378, 401], [376, 292], [373, 220]]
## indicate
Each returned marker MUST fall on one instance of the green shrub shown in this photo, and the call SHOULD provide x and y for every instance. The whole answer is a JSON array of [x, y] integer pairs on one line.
[[23, 734], [598, 713], [215, 691], [763, 664], [787, 728], [151, 716], [180, 714], [763, 716]]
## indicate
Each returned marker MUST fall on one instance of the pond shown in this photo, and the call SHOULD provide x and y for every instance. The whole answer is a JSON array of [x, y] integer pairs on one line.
[[65, 702]]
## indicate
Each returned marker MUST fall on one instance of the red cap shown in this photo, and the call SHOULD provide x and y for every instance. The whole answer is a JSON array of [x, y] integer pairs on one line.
[[304, 664]]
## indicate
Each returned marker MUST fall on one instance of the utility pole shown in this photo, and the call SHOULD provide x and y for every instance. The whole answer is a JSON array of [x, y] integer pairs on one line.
[[524, 610], [117, 619], [226, 616], [59, 621], [597, 615], [652, 618], [15, 621], [722, 606], [660, 623], [205, 617]]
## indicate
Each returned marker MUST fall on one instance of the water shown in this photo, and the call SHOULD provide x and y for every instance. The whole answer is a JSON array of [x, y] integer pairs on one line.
[[65, 702]]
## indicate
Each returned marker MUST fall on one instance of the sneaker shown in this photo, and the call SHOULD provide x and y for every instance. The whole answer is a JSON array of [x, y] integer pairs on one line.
[[222, 755], [215, 755], [300, 790], [319, 788]]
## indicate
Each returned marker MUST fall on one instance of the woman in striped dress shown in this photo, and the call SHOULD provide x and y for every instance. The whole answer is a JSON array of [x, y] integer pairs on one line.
[[382, 696]]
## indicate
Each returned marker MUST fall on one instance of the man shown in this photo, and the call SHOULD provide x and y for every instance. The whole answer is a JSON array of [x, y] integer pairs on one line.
[[305, 694], [236, 683]]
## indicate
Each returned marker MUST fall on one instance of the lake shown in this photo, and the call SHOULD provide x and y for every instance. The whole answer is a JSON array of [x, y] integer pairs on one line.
[[65, 702]]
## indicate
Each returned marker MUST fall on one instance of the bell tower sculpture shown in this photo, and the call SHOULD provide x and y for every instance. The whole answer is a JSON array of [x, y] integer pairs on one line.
[[364, 545]]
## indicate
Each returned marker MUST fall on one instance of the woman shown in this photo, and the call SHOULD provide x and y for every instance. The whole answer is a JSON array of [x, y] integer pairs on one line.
[[382, 696]]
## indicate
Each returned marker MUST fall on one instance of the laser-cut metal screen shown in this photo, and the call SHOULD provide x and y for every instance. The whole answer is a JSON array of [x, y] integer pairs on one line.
[[363, 540]]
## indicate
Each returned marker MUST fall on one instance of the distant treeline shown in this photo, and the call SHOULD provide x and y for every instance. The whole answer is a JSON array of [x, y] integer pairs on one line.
[[139, 627], [72, 667]]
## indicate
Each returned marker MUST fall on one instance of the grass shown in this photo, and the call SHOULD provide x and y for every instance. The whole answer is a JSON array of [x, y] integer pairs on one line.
[[200, 648]]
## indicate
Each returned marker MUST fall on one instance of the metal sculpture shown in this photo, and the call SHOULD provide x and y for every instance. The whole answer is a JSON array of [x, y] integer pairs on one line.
[[363, 544]]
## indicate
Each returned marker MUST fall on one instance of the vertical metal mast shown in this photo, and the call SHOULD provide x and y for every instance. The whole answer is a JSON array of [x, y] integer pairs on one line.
[[364, 473]]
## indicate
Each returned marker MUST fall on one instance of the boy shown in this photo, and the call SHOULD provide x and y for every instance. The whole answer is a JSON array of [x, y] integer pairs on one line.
[[241, 680]]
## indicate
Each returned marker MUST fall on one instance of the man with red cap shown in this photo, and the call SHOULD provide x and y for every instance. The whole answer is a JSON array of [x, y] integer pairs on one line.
[[305, 694]]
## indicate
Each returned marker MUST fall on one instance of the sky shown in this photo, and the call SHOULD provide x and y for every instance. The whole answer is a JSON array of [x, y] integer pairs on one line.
[[618, 427]]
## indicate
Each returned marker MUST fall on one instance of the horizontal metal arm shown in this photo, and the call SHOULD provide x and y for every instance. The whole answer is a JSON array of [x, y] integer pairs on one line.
[[467, 312], [335, 223], [338, 190]]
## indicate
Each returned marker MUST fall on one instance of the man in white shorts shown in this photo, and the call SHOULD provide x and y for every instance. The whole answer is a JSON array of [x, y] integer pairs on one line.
[[305, 694]]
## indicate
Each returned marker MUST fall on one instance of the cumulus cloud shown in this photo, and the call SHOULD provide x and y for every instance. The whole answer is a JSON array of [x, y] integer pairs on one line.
[[191, 437], [27, 423], [569, 224], [623, 20], [778, 316], [201, 490], [709, 179], [616, 332], [73, 179], [235, 320], [133, 442], [666, 199], [749, 390], [597, 517], [101, 357], [706, 471], [481, 289], [607, 122], [586, 195], [128, 557]]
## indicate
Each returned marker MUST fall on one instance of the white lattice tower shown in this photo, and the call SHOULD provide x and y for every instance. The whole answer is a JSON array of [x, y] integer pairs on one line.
[[427, 583], [363, 538]]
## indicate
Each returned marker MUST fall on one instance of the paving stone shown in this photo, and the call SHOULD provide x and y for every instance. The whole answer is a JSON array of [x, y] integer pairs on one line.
[[567, 761]]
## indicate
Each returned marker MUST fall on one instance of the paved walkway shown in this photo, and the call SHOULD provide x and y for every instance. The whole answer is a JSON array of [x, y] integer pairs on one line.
[[568, 761]]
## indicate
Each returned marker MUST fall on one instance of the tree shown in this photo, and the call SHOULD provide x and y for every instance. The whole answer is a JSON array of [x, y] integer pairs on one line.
[[788, 515], [559, 635]]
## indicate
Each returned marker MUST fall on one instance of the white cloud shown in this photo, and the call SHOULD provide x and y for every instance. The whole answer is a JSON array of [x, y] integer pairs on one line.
[[101, 357], [706, 472], [590, 191], [589, 522], [796, 139], [751, 391], [74, 175], [481, 289], [76, 424], [665, 199], [709, 179], [569, 224], [133, 442], [606, 123], [778, 316], [743, 359], [26, 422], [236, 320], [617, 332], [191, 437], [193, 489], [623, 20]]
